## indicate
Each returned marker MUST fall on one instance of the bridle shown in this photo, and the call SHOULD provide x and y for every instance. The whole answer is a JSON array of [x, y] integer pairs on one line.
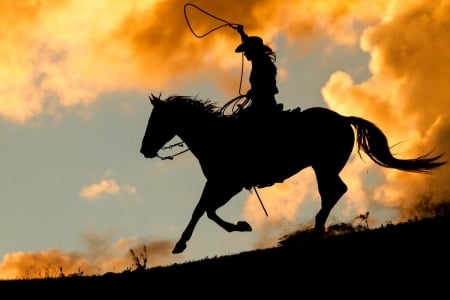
[[170, 157]]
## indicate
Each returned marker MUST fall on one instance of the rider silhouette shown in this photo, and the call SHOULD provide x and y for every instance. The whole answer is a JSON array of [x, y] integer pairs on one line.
[[263, 74], [263, 104]]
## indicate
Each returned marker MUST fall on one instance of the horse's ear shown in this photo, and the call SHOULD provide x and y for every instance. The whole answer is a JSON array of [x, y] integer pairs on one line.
[[154, 99]]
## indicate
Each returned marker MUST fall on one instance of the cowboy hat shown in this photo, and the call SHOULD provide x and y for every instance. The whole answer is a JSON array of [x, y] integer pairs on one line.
[[254, 43]]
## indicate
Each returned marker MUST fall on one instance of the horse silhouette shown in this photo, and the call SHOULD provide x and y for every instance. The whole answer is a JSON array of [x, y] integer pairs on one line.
[[237, 152]]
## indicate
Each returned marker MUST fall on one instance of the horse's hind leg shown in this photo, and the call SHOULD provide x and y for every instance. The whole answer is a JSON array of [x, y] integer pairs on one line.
[[331, 189]]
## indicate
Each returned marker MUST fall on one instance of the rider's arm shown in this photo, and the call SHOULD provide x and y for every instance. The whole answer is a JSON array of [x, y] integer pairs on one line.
[[240, 29]]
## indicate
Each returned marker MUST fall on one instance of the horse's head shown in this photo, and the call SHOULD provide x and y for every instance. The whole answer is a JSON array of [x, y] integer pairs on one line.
[[158, 131]]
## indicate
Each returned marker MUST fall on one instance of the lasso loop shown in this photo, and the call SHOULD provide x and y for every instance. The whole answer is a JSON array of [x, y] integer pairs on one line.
[[234, 26], [226, 23]]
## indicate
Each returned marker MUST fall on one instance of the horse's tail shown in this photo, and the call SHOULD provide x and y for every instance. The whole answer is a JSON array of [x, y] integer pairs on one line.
[[374, 143]]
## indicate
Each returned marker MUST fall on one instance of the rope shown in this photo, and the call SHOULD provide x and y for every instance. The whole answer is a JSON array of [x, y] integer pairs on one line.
[[260, 201], [226, 23], [235, 105], [232, 25]]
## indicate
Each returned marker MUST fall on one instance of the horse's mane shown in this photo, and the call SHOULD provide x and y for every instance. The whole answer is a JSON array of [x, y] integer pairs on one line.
[[189, 103]]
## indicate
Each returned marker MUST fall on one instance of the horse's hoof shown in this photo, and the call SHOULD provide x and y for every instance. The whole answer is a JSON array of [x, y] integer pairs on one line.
[[179, 247], [243, 226], [318, 234]]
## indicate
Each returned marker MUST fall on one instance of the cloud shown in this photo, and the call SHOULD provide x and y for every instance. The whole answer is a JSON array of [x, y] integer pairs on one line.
[[105, 187], [102, 256], [407, 96], [281, 201], [66, 53]]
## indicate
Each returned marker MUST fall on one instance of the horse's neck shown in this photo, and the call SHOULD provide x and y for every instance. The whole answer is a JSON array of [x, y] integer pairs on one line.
[[195, 133]]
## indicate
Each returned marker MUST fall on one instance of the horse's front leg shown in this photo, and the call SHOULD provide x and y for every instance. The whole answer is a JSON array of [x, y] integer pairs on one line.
[[214, 195], [198, 212]]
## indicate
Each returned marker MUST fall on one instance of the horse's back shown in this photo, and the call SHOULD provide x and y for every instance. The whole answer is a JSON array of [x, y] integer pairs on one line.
[[320, 113], [314, 120], [325, 129]]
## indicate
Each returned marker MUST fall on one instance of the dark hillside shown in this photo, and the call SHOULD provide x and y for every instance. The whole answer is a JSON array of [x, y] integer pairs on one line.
[[405, 259]]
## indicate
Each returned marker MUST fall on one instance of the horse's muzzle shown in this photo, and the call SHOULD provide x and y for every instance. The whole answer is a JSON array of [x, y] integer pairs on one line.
[[148, 154]]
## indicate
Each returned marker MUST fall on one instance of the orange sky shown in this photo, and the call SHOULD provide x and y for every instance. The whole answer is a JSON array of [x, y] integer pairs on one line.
[[65, 53], [407, 96]]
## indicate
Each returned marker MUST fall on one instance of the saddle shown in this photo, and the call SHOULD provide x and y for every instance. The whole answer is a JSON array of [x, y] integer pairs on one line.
[[263, 132], [267, 122]]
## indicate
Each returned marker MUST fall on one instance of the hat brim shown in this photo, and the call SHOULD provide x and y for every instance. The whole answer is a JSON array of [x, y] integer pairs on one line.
[[240, 48], [244, 47]]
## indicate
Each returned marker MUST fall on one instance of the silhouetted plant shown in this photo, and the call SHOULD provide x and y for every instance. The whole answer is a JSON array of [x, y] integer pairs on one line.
[[61, 273], [363, 220], [332, 230], [140, 262], [340, 228], [413, 219], [79, 273], [296, 237], [41, 271], [431, 205], [388, 224]]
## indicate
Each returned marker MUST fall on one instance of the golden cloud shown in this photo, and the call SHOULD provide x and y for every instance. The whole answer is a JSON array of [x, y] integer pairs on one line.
[[100, 258], [65, 53], [407, 97]]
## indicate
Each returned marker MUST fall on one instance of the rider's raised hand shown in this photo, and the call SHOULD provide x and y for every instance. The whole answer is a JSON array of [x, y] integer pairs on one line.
[[240, 28]]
